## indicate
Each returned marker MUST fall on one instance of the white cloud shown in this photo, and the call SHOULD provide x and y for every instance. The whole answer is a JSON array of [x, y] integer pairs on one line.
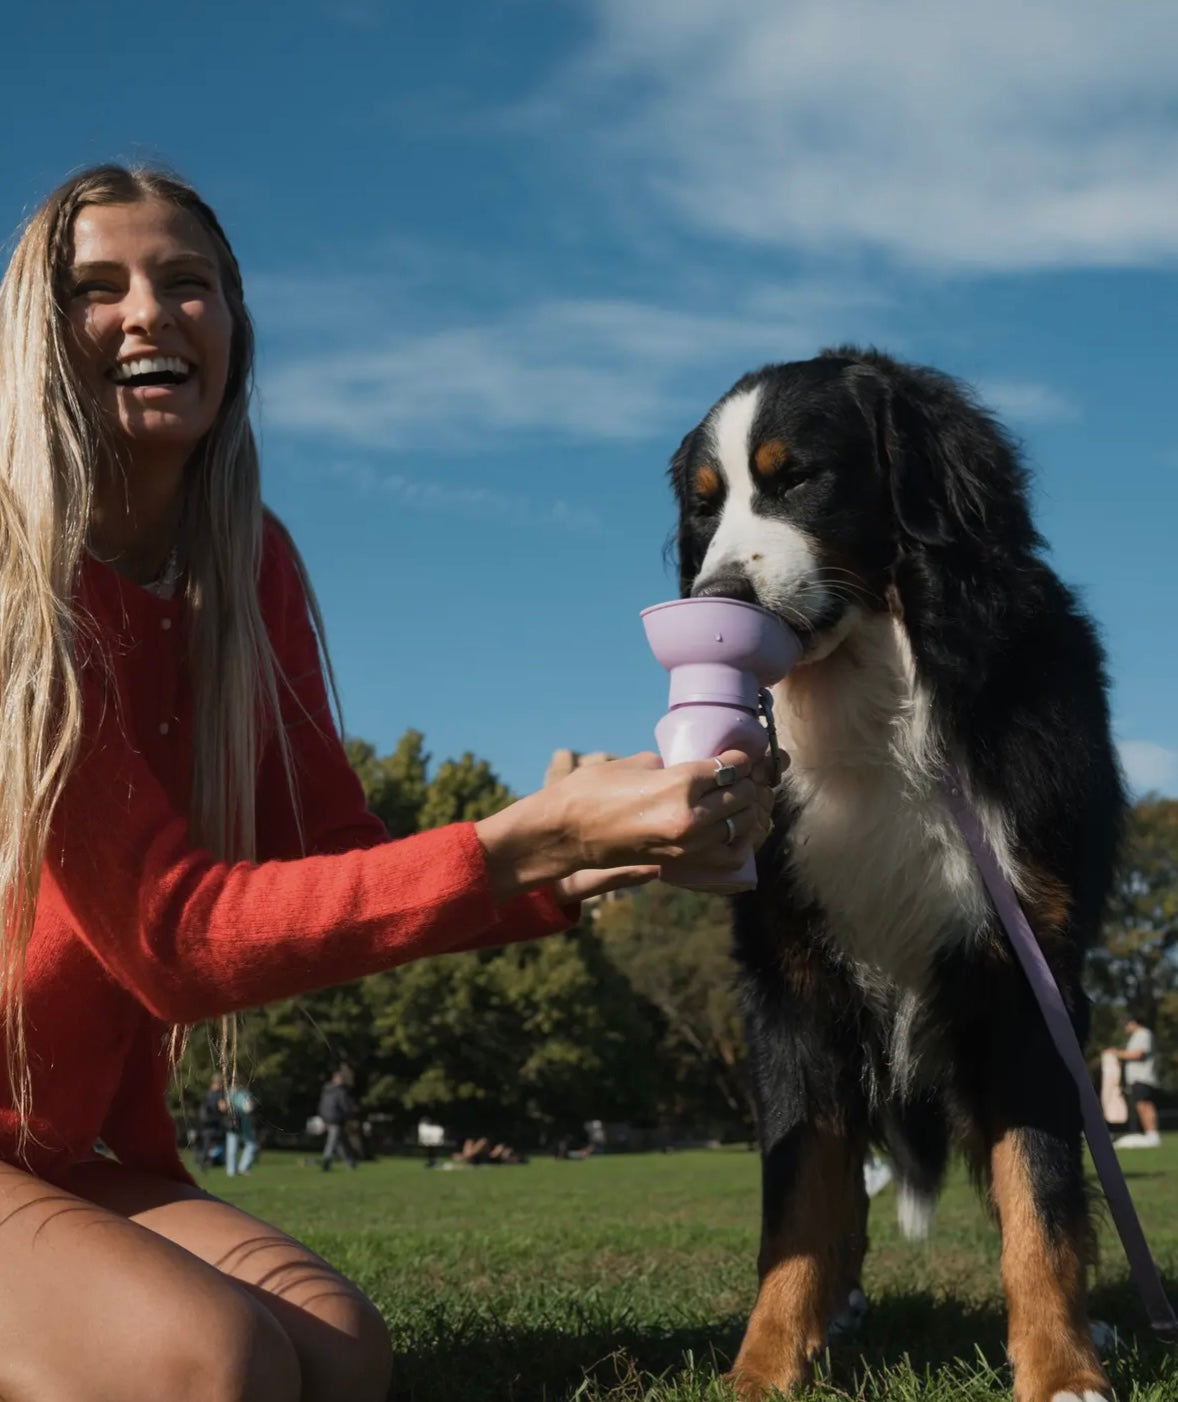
[[604, 369], [1015, 134], [1026, 401], [482, 503], [1149, 767]]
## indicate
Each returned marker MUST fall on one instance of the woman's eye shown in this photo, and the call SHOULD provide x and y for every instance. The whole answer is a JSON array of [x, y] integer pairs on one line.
[[85, 289]]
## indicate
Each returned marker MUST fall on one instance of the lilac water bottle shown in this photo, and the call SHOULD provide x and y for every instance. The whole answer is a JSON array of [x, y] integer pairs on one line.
[[721, 654]]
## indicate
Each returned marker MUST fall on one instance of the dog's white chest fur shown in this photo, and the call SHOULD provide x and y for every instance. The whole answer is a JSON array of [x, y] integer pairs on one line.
[[874, 843]]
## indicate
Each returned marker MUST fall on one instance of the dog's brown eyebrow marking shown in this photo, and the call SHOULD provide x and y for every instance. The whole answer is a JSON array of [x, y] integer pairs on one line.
[[707, 481], [770, 457]]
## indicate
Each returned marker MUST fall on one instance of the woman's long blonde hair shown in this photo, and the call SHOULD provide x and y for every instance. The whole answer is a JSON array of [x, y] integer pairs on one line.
[[52, 443]]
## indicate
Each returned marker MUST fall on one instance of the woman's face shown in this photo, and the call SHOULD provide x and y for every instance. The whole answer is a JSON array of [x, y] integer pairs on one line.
[[152, 329]]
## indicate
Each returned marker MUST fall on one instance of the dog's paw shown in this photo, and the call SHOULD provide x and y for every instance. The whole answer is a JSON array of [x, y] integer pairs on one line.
[[753, 1387], [1087, 1396], [753, 1383]]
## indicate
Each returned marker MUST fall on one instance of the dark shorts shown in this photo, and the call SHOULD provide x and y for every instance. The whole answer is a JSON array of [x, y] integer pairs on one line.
[[1142, 1090]]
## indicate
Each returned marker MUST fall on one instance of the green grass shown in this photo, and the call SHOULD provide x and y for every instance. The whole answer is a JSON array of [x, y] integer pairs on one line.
[[628, 1279]]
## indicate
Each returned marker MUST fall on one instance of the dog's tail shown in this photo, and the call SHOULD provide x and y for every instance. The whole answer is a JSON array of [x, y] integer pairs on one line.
[[916, 1210], [916, 1136]]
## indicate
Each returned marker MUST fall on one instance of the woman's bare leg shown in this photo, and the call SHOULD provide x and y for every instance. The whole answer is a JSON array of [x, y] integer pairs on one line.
[[339, 1337], [97, 1308]]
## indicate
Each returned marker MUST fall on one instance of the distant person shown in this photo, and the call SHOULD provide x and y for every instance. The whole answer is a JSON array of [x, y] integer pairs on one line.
[[213, 1107], [1112, 1093], [1141, 1083], [181, 834], [241, 1134], [337, 1109], [481, 1151]]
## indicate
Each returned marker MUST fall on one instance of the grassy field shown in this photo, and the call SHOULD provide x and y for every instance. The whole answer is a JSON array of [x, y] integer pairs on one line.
[[627, 1279]]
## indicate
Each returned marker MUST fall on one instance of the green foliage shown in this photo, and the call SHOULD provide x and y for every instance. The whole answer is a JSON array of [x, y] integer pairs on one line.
[[674, 948], [532, 1039], [462, 791], [396, 786]]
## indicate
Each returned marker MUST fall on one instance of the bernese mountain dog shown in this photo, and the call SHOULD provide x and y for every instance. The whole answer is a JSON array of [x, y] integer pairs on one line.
[[882, 513]]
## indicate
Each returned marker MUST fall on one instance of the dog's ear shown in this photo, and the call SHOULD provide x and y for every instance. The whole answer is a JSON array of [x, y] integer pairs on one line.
[[952, 471], [687, 548]]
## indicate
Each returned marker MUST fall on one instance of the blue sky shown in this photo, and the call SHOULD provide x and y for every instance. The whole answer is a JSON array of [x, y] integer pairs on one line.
[[501, 256]]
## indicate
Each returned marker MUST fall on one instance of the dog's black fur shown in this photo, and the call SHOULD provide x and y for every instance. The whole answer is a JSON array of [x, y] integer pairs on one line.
[[913, 499]]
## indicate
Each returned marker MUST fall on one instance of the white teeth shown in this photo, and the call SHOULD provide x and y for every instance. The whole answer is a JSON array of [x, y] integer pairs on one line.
[[155, 365]]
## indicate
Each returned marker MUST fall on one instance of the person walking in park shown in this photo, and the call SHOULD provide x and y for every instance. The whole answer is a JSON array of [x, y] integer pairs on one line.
[[241, 1136], [337, 1109], [1137, 1056], [211, 1127], [181, 836]]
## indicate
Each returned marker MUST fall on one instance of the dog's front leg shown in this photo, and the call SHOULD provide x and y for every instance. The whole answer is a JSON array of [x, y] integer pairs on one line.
[[811, 1249], [805, 1055]]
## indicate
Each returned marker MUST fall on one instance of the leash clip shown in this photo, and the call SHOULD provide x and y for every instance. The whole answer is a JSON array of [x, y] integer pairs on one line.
[[765, 706]]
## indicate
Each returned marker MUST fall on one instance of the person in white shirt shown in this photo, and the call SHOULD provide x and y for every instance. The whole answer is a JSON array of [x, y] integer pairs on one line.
[[1140, 1083]]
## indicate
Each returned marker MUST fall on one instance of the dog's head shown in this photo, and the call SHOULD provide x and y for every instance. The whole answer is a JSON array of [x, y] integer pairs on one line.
[[807, 486]]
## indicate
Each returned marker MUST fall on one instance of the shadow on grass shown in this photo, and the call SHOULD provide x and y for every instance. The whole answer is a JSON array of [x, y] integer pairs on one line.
[[479, 1356], [520, 1363]]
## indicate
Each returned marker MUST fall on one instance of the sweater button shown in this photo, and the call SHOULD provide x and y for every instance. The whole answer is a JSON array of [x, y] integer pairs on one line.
[[164, 727], [165, 624]]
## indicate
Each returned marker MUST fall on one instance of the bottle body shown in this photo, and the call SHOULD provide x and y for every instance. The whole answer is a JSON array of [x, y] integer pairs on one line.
[[701, 731]]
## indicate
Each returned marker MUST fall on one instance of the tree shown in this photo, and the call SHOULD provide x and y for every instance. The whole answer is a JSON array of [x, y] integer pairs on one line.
[[519, 1042], [395, 786], [462, 791], [674, 948], [1136, 967]]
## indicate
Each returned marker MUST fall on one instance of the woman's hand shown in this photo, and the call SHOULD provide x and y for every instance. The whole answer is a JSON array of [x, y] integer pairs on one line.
[[582, 885], [628, 813]]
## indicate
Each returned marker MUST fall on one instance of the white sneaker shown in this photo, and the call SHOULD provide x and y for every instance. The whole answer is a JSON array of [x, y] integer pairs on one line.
[[1138, 1141]]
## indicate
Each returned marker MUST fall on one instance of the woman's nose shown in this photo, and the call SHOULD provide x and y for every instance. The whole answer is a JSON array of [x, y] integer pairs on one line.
[[144, 310]]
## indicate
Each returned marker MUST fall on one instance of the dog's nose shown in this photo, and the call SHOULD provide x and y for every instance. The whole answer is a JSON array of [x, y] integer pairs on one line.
[[726, 586]]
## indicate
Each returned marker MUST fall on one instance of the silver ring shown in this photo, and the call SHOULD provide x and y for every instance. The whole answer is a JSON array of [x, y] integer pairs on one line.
[[725, 774], [731, 826]]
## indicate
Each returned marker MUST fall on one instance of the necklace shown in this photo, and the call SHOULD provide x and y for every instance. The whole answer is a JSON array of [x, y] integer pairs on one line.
[[163, 586]]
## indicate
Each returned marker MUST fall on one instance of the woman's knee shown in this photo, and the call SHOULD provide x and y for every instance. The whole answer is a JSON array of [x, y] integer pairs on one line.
[[354, 1356], [229, 1349]]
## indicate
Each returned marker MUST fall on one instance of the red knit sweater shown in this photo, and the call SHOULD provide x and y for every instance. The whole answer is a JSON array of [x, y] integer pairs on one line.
[[137, 929]]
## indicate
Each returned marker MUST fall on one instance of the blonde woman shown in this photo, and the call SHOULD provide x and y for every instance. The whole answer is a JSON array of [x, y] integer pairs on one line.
[[180, 834]]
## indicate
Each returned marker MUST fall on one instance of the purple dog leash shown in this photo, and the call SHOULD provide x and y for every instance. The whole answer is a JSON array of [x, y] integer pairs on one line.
[[1046, 991]]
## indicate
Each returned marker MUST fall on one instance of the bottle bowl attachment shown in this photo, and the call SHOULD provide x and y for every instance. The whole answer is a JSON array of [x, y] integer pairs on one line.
[[719, 651]]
